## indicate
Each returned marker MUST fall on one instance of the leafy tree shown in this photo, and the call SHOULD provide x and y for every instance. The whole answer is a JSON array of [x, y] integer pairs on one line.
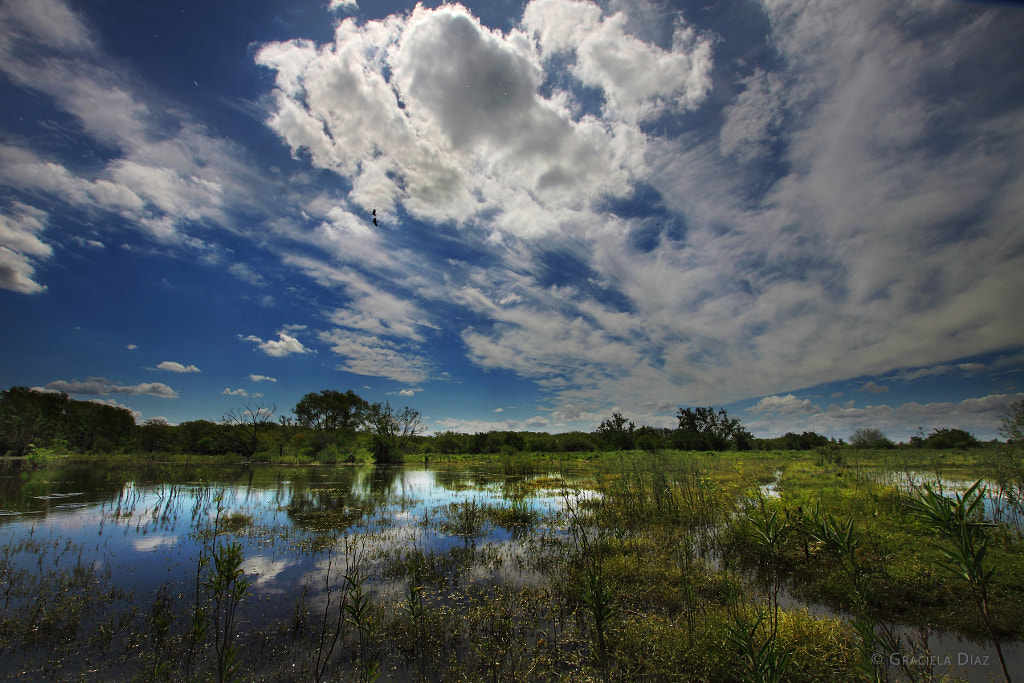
[[202, 437], [702, 429], [156, 434], [22, 420], [448, 443], [246, 423], [515, 441], [1012, 427], [541, 442], [496, 442], [29, 417], [493, 441], [649, 438], [791, 441], [93, 426], [477, 443], [615, 433], [576, 442], [391, 431], [330, 410], [870, 437]]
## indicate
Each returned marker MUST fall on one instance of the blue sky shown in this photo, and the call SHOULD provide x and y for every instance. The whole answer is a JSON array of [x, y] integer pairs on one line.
[[810, 213]]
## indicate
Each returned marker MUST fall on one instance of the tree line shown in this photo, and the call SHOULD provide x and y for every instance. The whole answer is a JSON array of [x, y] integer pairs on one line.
[[333, 426]]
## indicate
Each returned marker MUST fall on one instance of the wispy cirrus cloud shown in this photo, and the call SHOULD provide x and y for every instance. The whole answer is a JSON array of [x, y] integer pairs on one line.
[[374, 356], [165, 173], [20, 247]]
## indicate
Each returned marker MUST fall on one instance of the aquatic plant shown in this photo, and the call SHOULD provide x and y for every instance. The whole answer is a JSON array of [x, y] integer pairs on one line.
[[227, 585], [596, 592], [199, 619], [416, 609], [360, 614], [160, 618], [762, 663], [964, 545], [768, 531], [519, 465], [333, 629]]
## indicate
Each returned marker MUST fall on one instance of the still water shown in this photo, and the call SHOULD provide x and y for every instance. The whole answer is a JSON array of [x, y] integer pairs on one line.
[[300, 529], [144, 525], [89, 555]]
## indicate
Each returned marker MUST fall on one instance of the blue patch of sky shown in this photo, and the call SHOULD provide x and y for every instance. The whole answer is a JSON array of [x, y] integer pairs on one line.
[[656, 222], [478, 395], [557, 77], [565, 266], [51, 133]]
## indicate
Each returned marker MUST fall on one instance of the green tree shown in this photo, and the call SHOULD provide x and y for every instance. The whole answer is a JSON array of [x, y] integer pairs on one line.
[[649, 438], [391, 431], [156, 434], [94, 426], [448, 443], [29, 417], [615, 432], [331, 410], [202, 437], [576, 442], [703, 429]]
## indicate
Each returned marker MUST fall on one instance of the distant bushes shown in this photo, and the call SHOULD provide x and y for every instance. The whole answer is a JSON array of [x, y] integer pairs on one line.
[[335, 427], [870, 437], [576, 442], [791, 441], [945, 438]]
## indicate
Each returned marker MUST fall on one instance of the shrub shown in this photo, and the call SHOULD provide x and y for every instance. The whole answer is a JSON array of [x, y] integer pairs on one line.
[[870, 437], [950, 438]]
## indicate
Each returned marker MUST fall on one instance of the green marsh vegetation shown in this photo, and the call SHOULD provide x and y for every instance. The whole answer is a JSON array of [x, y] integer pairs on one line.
[[642, 565]]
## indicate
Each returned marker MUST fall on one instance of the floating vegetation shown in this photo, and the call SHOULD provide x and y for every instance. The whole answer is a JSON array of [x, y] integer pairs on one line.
[[235, 522]]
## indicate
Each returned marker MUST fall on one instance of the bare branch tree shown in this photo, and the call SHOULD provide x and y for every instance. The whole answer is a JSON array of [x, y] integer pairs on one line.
[[246, 423]]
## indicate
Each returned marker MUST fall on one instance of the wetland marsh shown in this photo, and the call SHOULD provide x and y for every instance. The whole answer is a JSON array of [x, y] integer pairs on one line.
[[633, 566]]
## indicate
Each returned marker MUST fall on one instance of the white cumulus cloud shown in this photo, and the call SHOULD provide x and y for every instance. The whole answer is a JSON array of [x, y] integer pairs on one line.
[[100, 386], [173, 366], [284, 345]]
